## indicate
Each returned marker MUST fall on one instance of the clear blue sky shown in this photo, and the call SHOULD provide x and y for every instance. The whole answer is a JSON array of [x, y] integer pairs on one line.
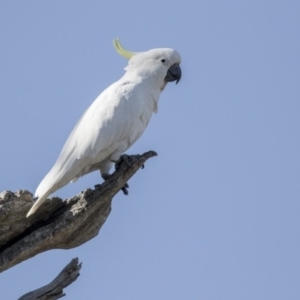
[[216, 215]]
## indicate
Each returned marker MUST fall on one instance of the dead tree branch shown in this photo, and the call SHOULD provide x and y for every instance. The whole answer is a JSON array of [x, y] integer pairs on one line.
[[54, 290], [58, 224]]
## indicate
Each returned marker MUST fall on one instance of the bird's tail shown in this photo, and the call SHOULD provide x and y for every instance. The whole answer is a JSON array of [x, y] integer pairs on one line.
[[37, 204]]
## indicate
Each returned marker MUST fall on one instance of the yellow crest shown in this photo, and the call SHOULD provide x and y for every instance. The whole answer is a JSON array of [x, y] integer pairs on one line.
[[123, 52]]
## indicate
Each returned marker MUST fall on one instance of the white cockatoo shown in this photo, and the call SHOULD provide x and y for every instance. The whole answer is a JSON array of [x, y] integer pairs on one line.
[[114, 121]]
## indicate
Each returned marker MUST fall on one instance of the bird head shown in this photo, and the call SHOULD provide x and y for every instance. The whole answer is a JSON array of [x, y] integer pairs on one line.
[[159, 66]]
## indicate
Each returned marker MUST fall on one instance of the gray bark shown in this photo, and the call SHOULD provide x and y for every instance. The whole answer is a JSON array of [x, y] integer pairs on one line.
[[54, 290], [58, 224]]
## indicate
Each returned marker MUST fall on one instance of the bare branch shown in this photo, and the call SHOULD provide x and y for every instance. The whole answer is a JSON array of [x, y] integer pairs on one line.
[[58, 224], [54, 290]]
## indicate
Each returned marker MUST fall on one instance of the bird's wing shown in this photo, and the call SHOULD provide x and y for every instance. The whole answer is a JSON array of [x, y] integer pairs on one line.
[[113, 117]]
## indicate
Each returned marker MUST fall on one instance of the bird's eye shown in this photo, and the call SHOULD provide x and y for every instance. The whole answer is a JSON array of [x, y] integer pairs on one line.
[[163, 60]]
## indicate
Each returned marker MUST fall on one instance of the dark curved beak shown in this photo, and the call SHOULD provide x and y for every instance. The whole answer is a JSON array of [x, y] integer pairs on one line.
[[174, 73]]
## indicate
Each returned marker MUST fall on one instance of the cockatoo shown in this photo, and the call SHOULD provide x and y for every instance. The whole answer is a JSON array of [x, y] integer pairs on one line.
[[114, 121]]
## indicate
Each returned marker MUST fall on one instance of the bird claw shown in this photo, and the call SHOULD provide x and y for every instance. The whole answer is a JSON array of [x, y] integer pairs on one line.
[[124, 189], [105, 176], [126, 159]]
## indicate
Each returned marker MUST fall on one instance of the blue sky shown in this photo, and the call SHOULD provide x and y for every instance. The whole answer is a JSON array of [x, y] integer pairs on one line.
[[216, 214]]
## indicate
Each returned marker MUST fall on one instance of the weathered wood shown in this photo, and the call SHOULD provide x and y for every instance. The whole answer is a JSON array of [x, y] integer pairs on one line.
[[54, 290], [58, 224]]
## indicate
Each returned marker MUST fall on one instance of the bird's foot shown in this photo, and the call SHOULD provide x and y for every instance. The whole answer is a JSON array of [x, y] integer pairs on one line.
[[125, 189], [105, 176], [126, 158]]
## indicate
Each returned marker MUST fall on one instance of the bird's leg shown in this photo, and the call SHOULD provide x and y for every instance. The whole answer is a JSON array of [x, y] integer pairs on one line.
[[126, 159]]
